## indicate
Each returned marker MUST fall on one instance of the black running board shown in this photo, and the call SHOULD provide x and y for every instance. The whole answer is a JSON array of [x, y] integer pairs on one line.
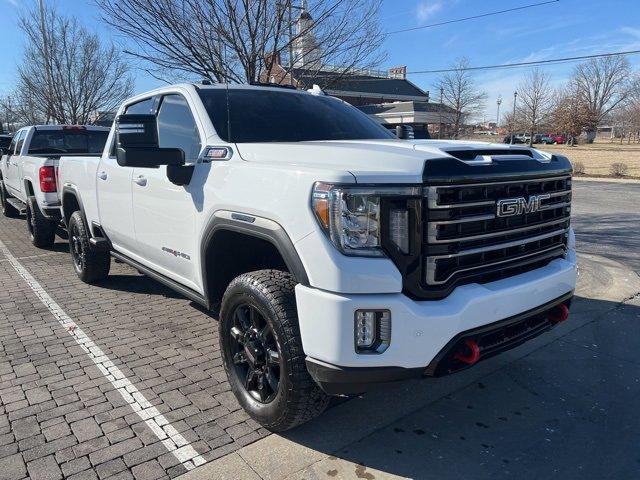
[[158, 277], [20, 206]]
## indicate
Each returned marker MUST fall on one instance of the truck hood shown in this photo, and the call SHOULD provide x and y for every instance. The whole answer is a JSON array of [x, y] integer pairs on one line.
[[369, 161]]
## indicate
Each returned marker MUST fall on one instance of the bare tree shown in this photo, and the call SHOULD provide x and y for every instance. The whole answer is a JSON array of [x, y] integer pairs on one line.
[[571, 113], [67, 70], [460, 92], [603, 85], [22, 108], [535, 100], [240, 40]]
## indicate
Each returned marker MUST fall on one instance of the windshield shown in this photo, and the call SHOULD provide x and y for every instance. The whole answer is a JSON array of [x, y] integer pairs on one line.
[[257, 115], [68, 141]]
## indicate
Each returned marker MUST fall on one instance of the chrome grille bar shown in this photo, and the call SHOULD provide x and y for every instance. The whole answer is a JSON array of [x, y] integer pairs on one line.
[[433, 231]]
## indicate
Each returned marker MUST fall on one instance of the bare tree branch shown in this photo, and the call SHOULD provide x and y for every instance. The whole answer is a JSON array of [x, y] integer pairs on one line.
[[602, 84], [460, 92], [240, 40], [535, 100], [71, 74]]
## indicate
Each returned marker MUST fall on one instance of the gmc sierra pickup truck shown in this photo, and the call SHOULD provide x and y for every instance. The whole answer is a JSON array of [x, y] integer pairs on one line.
[[28, 173], [336, 256]]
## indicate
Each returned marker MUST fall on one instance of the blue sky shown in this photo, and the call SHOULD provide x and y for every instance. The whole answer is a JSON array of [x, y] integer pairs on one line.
[[562, 29]]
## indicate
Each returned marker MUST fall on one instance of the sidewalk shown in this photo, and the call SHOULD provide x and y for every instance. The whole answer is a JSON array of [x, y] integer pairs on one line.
[[580, 178]]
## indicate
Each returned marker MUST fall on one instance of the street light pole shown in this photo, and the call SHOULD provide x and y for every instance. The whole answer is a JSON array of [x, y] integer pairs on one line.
[[47, 64], [499, 102], [513, 118]]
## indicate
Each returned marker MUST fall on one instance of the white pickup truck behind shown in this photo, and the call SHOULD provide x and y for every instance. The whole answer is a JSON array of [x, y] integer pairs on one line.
[[28, 173], [337, 256]]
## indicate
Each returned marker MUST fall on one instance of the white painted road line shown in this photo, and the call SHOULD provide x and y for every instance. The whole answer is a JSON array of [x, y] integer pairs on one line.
[[159, 425]]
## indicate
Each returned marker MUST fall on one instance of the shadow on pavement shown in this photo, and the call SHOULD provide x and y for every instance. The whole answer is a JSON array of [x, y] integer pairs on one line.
[[562, 406], [137, 284]]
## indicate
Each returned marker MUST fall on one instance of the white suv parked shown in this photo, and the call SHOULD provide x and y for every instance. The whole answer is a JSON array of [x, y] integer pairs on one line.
[[337, 255]]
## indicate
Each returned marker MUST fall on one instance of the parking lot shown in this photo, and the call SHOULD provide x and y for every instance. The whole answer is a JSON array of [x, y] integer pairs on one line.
[[124, 380]]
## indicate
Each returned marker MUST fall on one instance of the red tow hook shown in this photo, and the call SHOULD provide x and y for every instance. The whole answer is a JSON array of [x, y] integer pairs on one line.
[[559, 313], [472, 357]]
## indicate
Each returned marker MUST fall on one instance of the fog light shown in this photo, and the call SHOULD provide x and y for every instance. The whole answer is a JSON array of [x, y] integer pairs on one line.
[[372, 330]]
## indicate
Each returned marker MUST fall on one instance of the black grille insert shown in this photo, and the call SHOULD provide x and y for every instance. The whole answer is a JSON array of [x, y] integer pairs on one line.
[[465, 239]]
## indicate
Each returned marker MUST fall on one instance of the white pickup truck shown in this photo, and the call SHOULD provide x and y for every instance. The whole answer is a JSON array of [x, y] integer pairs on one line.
[[338, 256], [28, 173]]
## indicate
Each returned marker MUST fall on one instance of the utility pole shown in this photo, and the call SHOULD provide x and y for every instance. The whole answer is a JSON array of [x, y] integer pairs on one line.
[[441, 108], [513, 119], [498, 101], [47, 63]]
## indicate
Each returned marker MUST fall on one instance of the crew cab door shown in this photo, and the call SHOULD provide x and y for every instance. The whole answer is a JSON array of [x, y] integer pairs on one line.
[[164, 213], [114, 188], [12, 170]]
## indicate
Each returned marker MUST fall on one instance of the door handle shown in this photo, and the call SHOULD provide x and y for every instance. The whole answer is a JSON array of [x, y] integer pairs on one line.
[[140, 180], [102, 175]]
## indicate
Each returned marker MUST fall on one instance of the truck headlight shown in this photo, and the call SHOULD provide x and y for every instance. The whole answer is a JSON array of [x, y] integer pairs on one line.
[[350, 215]]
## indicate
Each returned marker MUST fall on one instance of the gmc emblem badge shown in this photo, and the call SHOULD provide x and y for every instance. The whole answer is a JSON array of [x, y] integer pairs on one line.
[[519, 205]]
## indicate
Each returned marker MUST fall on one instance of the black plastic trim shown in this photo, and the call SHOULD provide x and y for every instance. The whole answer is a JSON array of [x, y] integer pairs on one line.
[[335, 380], [434, 369], [73, 190], [278, 238], [187, 292]]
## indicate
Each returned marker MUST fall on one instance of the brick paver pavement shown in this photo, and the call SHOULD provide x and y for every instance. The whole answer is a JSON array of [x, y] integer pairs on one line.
[[60, 417]]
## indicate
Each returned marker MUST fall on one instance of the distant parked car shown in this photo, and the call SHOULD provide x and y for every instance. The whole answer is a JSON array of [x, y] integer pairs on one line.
[[517, 138], [560, 139], [546, 139]]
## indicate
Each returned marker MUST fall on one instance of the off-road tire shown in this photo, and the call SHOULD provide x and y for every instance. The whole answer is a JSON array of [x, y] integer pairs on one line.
[[91, 265], [8, 210], [42, 230], [299, 399]]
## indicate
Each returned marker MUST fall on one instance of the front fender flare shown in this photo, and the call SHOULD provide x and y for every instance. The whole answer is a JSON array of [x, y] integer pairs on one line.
[[254, 226]]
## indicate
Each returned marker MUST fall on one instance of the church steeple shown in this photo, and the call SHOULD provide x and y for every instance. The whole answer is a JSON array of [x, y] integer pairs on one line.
[[305, 46]]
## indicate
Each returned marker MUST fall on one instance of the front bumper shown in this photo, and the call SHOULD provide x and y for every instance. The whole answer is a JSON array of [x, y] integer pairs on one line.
[[422, 332]]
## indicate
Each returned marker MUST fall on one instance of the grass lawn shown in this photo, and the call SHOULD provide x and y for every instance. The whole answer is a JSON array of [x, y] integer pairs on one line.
[[596, 157]]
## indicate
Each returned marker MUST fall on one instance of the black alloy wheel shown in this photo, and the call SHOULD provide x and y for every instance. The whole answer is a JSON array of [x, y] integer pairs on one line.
[[75, 246], [255, 353]]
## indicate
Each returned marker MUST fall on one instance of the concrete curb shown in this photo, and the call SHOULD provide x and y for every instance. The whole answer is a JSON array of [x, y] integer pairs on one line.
[[605, 179], [307, 452]]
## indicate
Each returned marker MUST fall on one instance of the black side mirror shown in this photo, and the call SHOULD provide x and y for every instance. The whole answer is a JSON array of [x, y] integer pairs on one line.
[[137, 143]]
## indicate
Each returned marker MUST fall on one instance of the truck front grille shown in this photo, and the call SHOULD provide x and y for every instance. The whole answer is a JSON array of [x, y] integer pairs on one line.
[[466, 240]]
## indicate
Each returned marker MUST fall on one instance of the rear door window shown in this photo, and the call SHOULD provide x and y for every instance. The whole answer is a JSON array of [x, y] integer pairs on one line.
[[12, 146], [20, 142]]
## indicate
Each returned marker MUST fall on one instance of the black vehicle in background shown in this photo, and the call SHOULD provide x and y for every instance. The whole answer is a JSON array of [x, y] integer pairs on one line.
[[5, 141]]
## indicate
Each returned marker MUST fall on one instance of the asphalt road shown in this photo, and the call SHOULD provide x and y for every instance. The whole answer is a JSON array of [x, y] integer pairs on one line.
[[606, 218]]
